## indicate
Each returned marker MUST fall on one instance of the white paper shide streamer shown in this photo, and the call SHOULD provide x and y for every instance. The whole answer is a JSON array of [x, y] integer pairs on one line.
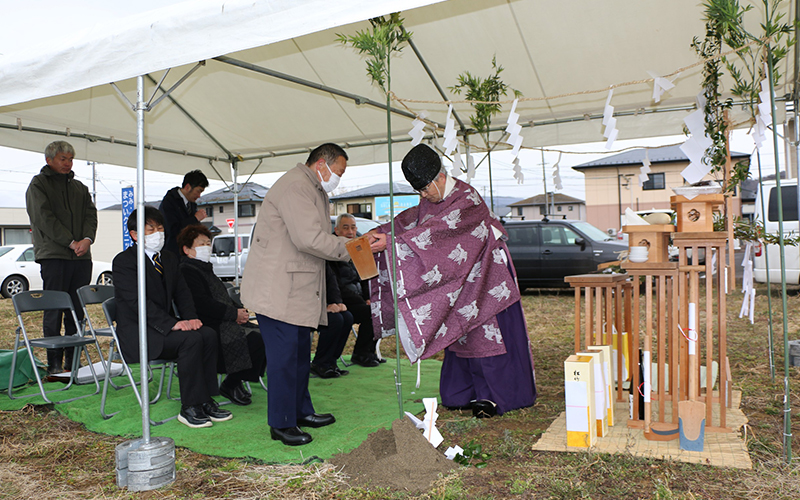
[[748, 290], [610, 122], [661, 85], [450, 140], [695, 146], [557, 174], [514, 140], [764, 119], [417, 131], [645, 168], [458, 166]]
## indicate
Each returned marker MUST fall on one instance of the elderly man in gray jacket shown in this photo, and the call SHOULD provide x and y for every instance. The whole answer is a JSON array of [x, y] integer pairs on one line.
[[284, 284]]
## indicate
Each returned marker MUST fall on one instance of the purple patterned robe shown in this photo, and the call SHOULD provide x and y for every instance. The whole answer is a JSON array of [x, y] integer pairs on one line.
[[452, 277]]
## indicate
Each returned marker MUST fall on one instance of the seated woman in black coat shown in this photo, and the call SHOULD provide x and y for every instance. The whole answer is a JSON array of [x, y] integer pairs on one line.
[[242, 355]]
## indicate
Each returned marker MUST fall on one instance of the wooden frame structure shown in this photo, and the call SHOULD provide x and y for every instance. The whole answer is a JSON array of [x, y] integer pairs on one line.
[[607, 314]]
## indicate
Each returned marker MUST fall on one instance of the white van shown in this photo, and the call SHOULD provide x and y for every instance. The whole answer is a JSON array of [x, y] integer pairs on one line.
[[790, 229], [223, 254]]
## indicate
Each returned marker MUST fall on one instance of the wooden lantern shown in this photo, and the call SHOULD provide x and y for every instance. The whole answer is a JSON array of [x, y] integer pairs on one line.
[[653, 236], [696, 215]]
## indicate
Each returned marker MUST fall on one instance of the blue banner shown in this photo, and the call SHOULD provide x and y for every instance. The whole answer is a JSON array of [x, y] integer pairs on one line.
[[127, 208], [401, 203]]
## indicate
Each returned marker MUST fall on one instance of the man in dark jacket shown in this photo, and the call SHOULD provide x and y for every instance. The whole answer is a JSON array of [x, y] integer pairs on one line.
[[355, 295], [64, 223], [333, 336], [186, 340], [179, 207]]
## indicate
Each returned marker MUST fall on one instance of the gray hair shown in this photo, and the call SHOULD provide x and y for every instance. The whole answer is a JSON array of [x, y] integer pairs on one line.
[[56, 147], [344, 216]]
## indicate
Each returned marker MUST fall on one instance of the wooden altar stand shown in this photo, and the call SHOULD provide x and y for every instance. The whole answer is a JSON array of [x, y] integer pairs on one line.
[[606, 315], [659, 323]]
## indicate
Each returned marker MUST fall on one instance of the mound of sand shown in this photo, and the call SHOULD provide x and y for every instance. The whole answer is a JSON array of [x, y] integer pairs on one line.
[[400, 458]]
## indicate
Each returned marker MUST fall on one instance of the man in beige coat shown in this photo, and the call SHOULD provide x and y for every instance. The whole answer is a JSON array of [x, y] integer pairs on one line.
[[284, 284]]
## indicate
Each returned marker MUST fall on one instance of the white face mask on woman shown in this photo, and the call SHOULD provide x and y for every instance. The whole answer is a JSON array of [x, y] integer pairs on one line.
[[154, 242], [203, 253], [332, 183]]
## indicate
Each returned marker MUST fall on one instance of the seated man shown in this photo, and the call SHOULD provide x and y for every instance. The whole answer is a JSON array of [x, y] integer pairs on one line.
[[187, 341], [333, 337], [355, 295]]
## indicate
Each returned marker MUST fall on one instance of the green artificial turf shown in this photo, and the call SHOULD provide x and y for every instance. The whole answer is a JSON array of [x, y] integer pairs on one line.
[[362, 402]]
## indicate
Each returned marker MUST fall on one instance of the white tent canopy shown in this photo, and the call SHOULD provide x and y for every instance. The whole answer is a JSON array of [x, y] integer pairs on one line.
[[243, 105]]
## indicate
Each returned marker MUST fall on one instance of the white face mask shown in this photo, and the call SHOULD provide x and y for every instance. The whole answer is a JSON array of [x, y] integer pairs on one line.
[[154, 242], [332, 183], [203, 253]]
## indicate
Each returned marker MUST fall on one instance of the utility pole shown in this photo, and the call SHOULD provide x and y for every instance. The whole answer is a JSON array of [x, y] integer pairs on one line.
[[94, 181], [544, 181]]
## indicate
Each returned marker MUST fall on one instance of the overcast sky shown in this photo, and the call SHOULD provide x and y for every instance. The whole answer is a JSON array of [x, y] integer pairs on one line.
[[18, 167]]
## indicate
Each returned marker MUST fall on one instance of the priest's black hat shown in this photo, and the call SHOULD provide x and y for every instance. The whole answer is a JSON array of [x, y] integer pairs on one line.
[[421, 166]]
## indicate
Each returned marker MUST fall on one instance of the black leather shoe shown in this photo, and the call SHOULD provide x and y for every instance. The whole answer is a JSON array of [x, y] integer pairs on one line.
[[236, 394], [341, 372], [483, 408], [316, 420], [290, 436], [194, 416], [324, 371], [365, 361], [215, 413]]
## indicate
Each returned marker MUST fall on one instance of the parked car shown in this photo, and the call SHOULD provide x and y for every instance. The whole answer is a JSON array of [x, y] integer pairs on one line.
[[545, 251], [790, 229], [20, 272], [223, 254]]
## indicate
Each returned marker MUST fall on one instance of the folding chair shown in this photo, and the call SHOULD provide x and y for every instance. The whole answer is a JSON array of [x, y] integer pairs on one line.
[[110, 311], [97, 294], [49, 300]]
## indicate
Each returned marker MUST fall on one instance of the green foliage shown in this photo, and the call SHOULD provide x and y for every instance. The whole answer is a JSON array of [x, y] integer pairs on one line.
[[709, 48], [472, 455], [749, 75], [489, 90], [725, 27], [387, 36], [746, 230]]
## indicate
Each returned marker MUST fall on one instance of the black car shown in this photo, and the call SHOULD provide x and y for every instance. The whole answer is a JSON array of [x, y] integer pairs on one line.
[[545, 251]]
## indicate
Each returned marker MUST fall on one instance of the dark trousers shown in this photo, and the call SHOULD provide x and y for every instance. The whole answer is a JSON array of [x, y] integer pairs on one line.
[[64, 276], [362, 316], [258, 360], [196, 354], [288, 349], [332, 338]]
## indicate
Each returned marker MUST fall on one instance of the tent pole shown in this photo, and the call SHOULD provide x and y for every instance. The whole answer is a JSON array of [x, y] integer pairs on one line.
[[140, 256], [236, 258], [318, 86]]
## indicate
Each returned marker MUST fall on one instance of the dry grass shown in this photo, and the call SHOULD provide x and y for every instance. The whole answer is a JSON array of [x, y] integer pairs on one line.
[[44, 455]]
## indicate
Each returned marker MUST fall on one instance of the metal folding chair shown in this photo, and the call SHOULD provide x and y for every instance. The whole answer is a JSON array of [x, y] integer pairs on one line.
[[97, 294], [110, 311], [49, 300]]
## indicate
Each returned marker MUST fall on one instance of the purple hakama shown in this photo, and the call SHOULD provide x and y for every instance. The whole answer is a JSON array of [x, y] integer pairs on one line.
[[506, 379]]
